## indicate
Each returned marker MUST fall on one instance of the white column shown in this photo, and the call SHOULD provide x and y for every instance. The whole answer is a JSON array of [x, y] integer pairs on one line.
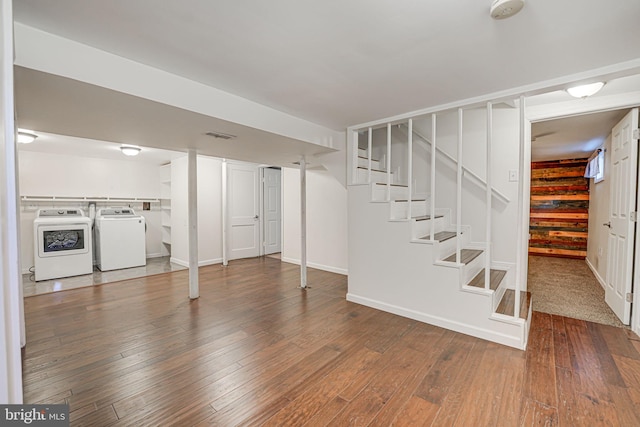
[[192, 185], [303, 223], [11, 313], [521, 230], [225, 214]]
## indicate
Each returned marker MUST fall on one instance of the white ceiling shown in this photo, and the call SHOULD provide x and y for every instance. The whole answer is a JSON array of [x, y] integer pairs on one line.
[[335, 63]]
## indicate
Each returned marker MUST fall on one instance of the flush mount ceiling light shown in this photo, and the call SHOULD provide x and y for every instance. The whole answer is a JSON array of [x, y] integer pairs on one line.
[[130, 150], [584, 91], [501, 9], [26, 136]]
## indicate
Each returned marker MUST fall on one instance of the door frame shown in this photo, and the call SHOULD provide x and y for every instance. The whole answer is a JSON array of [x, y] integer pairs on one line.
[[261, 202], [577, 107]]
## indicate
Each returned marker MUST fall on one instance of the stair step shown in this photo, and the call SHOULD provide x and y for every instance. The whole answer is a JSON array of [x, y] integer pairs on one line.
[[441, 236], [393, 185], [372, 169], [367, 159], [426, 217], [466, 256], [495, 278], [507, 304]]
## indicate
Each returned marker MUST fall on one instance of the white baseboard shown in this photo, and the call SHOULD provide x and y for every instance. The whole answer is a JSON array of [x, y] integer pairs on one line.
[[595, 273], [474, 331], [200, 263], [328, 268], [157, 255]]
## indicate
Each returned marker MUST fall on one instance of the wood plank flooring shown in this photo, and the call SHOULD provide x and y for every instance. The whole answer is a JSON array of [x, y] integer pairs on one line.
[[256, 350]]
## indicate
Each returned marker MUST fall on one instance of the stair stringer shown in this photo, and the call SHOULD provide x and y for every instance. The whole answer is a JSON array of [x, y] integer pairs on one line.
[[389, 273]]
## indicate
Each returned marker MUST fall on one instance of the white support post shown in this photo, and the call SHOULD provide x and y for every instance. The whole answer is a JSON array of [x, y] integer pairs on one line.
[[521, 250], [369, 149], [459, 189], [11, 301], [225, 214], [303, 223], [487, 268], [388, 162], [192, 172], [433, 176], [410, 168]]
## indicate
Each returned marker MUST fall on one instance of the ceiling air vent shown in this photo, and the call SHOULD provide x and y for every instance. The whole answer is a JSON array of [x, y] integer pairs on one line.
[[220, 135]]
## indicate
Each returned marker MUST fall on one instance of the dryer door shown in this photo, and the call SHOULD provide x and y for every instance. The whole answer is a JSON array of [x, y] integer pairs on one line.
[[63, 239]]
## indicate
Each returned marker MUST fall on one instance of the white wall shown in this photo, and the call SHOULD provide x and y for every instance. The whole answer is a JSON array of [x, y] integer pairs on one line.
[[597, 244], [326, 220], [209, 211], [45, 174]]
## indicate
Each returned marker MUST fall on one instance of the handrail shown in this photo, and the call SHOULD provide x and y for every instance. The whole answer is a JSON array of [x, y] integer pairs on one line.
[[466, 170]]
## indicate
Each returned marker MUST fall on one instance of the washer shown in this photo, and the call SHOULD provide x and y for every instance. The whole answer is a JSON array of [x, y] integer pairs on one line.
[[62, 243], [120, 239]]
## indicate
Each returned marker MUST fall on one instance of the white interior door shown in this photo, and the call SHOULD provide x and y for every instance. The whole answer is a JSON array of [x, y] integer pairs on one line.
[[624, 164], [272, 209], [243, 204]]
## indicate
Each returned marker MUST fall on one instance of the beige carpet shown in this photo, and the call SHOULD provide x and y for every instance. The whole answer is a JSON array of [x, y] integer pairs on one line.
[[568, 287]]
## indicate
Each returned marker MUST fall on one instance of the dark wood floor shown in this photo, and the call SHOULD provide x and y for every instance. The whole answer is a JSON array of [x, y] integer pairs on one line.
[[254, 350]]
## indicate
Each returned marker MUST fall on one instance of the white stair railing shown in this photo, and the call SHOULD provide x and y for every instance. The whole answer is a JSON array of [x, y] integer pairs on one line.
[[388, 162], [410, 168], [459, 188], [369, 149], [472, 176], [433, 176], [487, 268]]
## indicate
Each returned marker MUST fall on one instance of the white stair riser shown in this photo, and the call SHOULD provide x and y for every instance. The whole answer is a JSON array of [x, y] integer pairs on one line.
[[379, 193], [362, 152], [423, 228], [376, 176], [364, 163], [472, 269], [399, 210]]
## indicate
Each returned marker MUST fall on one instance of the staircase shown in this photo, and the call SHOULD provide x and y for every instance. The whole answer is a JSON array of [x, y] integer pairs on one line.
[[404, 261]]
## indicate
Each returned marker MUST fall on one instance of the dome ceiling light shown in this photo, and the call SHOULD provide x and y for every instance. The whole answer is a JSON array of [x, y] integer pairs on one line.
[[584, 91], [502, 9]]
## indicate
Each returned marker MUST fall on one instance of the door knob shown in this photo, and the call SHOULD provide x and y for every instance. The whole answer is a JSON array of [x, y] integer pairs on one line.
[[607, 224], [255, 217]]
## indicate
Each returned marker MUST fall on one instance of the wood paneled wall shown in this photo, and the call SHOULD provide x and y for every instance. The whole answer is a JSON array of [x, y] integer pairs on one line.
[[559, 209]]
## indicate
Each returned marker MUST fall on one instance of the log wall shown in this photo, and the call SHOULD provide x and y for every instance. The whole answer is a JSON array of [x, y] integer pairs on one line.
[[559, 214]]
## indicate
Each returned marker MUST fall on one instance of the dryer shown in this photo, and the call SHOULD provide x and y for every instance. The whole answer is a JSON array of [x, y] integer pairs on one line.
[[120, 239], [62, 243]]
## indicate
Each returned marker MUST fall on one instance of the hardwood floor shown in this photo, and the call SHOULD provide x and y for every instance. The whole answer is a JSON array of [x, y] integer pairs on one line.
[[255, 349]]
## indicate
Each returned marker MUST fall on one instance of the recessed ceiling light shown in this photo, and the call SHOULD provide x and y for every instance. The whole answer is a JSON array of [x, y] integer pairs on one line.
[[26, 136], [130, 150], [583, 91]]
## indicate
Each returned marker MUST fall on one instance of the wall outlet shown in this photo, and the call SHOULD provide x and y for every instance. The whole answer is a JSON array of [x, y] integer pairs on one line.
[[600, 251], [513, 175]]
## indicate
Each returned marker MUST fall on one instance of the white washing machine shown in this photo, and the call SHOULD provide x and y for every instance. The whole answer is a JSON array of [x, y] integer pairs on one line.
[[62, 243], [120, 239]]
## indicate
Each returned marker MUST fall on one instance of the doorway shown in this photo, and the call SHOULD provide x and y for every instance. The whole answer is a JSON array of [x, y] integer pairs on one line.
[[576, 235], [271, 224]]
